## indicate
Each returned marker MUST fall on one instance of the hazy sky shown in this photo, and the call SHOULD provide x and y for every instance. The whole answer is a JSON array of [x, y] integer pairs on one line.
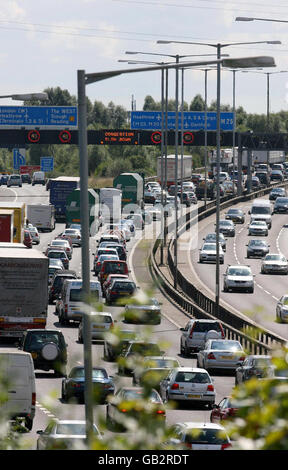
[[44, 43]]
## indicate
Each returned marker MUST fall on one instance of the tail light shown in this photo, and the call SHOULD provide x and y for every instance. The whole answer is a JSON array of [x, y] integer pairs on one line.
[[113, 292], [75, 385], [66, 308], [191, 331], [78, 237], [210, 388], [160, 412], [33, 399], [123, 410], [222, 331], [242, 358], [225, 446], [175, 386], [211, 356], [111, 326]]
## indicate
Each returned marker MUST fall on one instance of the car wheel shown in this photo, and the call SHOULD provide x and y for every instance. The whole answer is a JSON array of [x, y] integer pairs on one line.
[[63, 394], [28, 423], [80, 338]]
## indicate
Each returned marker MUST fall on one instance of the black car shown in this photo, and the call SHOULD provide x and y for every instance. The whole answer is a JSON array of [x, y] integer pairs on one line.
[[257, 248], [48, 349], [281, 205], [136, 350], [227, 228], [236, 215], [276, 175], [26, 178], [120, 288], [57, 282], [113, 349], [73, 386], [263, 177], [254, 366], [4, 179], [277, 192]]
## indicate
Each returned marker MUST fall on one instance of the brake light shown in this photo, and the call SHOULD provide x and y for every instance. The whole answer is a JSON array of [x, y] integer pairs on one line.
[[210, 388], [160, 412], [225, 446], [123, 410], [222, 331], [33, 398], [113, 292], [75, 385], [242, 358], [211, 356], [175, 386], [191, 331], [66, 308]]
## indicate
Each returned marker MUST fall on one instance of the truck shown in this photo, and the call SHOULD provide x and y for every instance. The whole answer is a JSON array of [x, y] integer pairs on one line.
[[132, 187], [18, 219], [60, 189], [110, 204], [6, 225], [187, 168], [73, 212], [23, 290], [42, 216]]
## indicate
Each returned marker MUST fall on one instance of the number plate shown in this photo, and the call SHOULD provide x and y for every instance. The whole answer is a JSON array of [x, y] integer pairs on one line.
[[189, 395], [228, 358]]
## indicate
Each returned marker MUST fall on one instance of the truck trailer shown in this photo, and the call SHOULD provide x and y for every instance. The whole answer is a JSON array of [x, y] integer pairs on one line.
[[18, 218], [171, 161], [110, 204], [132, 187], [73, 211], [6, 225], [60, 189]]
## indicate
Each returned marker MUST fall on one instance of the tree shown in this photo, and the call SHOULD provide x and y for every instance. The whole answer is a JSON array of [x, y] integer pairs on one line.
[[197, 104]]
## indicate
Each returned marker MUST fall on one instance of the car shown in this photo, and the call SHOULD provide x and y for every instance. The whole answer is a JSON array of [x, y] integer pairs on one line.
[[188, 198], [100, 322], [48, 349], [236, 215], [104, 257], [227, 227], [254, 366], [109, 280], [274, 263], [147, 217], [200, 436], [121, 251], [264, 177], [277, 192], [256, 248], [258, 227], [73, 386], [223, 176], [192, 384], [208, 253], [149, 196], [4, 179], [65, 435], [255, 183], [227, 409], [120, 288], [238, 278], [153, 370], [195, 332], [26, 178], [224, 354], [55, 266], [131, 402], [146, 311], [14, 180], [112, 267], [188, 186], [109, 237], [195, 178], [75, 226], [74, 235], [103, 251], [129, 225], [281, 205], [211, 237], [276, 175], [152, 185], [27, 241], [58, 243], [137, 220], [57, 282], [34, 235], [122, 230], [136, 350], [59, 254], [282, 309], [230, 187], [117, 342]]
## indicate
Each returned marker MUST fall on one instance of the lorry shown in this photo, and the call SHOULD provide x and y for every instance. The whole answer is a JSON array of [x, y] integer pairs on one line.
[[18, 219], [187, 168], [110, 204], [60, 189], [41, 216], [6, 225], [73, 212], [23, 290], [132, 187]]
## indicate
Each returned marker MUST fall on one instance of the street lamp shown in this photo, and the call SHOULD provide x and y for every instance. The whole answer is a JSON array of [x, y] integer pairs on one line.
[[235, 64], [27, 96], [251, 18]]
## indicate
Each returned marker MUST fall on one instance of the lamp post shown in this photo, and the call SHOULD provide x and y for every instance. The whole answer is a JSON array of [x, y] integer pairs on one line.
[[218, 47], [27, 96]]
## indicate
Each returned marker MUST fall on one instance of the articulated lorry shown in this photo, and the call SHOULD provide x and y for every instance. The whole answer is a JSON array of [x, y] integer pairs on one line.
[[23, 289], [60, 189]]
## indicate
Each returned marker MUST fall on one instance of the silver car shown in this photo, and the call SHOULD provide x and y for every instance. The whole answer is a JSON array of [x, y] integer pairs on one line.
[[282, 309], [208, 253], [221, 354], [191, 384], [258, 227], [200, 436], [227, 227], [274, 263], [65, 434], [211, 237], [238, 278], [74, 235], [34, 234], [100, 322]]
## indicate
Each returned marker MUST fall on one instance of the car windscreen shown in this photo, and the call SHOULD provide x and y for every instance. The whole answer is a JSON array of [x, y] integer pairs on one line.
[[260, 210], [96, 373], [239, 272], [205, 436], [200, 327], [71, 429], [101, 319], [145, 349], [124, 286], [192, 377], [231, 346], [117, 268], [42, 338], [56, 254], [77, 295]]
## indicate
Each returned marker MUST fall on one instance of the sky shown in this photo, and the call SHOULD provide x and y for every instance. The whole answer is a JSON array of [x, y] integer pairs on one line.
[[44, 43]]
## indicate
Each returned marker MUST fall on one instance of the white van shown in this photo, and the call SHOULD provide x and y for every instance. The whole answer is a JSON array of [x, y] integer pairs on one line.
[[17, 369], [69, 304], [38, 178], [262, 210]]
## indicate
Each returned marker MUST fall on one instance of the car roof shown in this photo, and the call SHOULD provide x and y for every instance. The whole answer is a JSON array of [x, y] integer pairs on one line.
[[199, 425], [190, 369]]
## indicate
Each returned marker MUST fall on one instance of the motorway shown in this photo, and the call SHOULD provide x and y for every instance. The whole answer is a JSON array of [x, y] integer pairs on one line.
[[48, 387]]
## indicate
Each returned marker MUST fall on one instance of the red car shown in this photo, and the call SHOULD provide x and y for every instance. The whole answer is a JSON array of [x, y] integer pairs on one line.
[[112, 267], [226, 409], [27, 239]]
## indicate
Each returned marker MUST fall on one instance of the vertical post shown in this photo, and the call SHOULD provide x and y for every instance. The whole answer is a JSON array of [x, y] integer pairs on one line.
[[234, 130], [249, 170], [176, 172], [268, 113], [166, 151], [84, 206], [162, 165], [182, 132], [205, 141], [217, 293], [239, 167]]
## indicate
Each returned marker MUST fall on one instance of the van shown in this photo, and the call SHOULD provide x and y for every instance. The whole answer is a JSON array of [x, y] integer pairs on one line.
[[38, 178], [69, 304], [112, 267], [262, 210], [17, 370]]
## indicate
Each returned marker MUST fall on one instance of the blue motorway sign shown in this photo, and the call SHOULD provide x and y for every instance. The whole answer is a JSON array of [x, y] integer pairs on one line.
[[192, 120], [46, 163], [18, 158], [51, 117]]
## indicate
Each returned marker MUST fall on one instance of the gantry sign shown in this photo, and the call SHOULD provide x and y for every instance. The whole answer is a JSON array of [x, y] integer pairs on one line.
[[253, 141]]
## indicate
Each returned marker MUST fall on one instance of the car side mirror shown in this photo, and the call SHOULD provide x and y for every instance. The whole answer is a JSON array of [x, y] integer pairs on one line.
[[182, 329]]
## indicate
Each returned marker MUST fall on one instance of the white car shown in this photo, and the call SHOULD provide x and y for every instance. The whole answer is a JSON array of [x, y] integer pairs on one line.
[[200, 436], [64, 244], [258, 227], [274, 263], [34, 234], [208, 253], [74, 235], [282, 309], [238, 278], [65, 434], [101, 323], [221, 354]]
